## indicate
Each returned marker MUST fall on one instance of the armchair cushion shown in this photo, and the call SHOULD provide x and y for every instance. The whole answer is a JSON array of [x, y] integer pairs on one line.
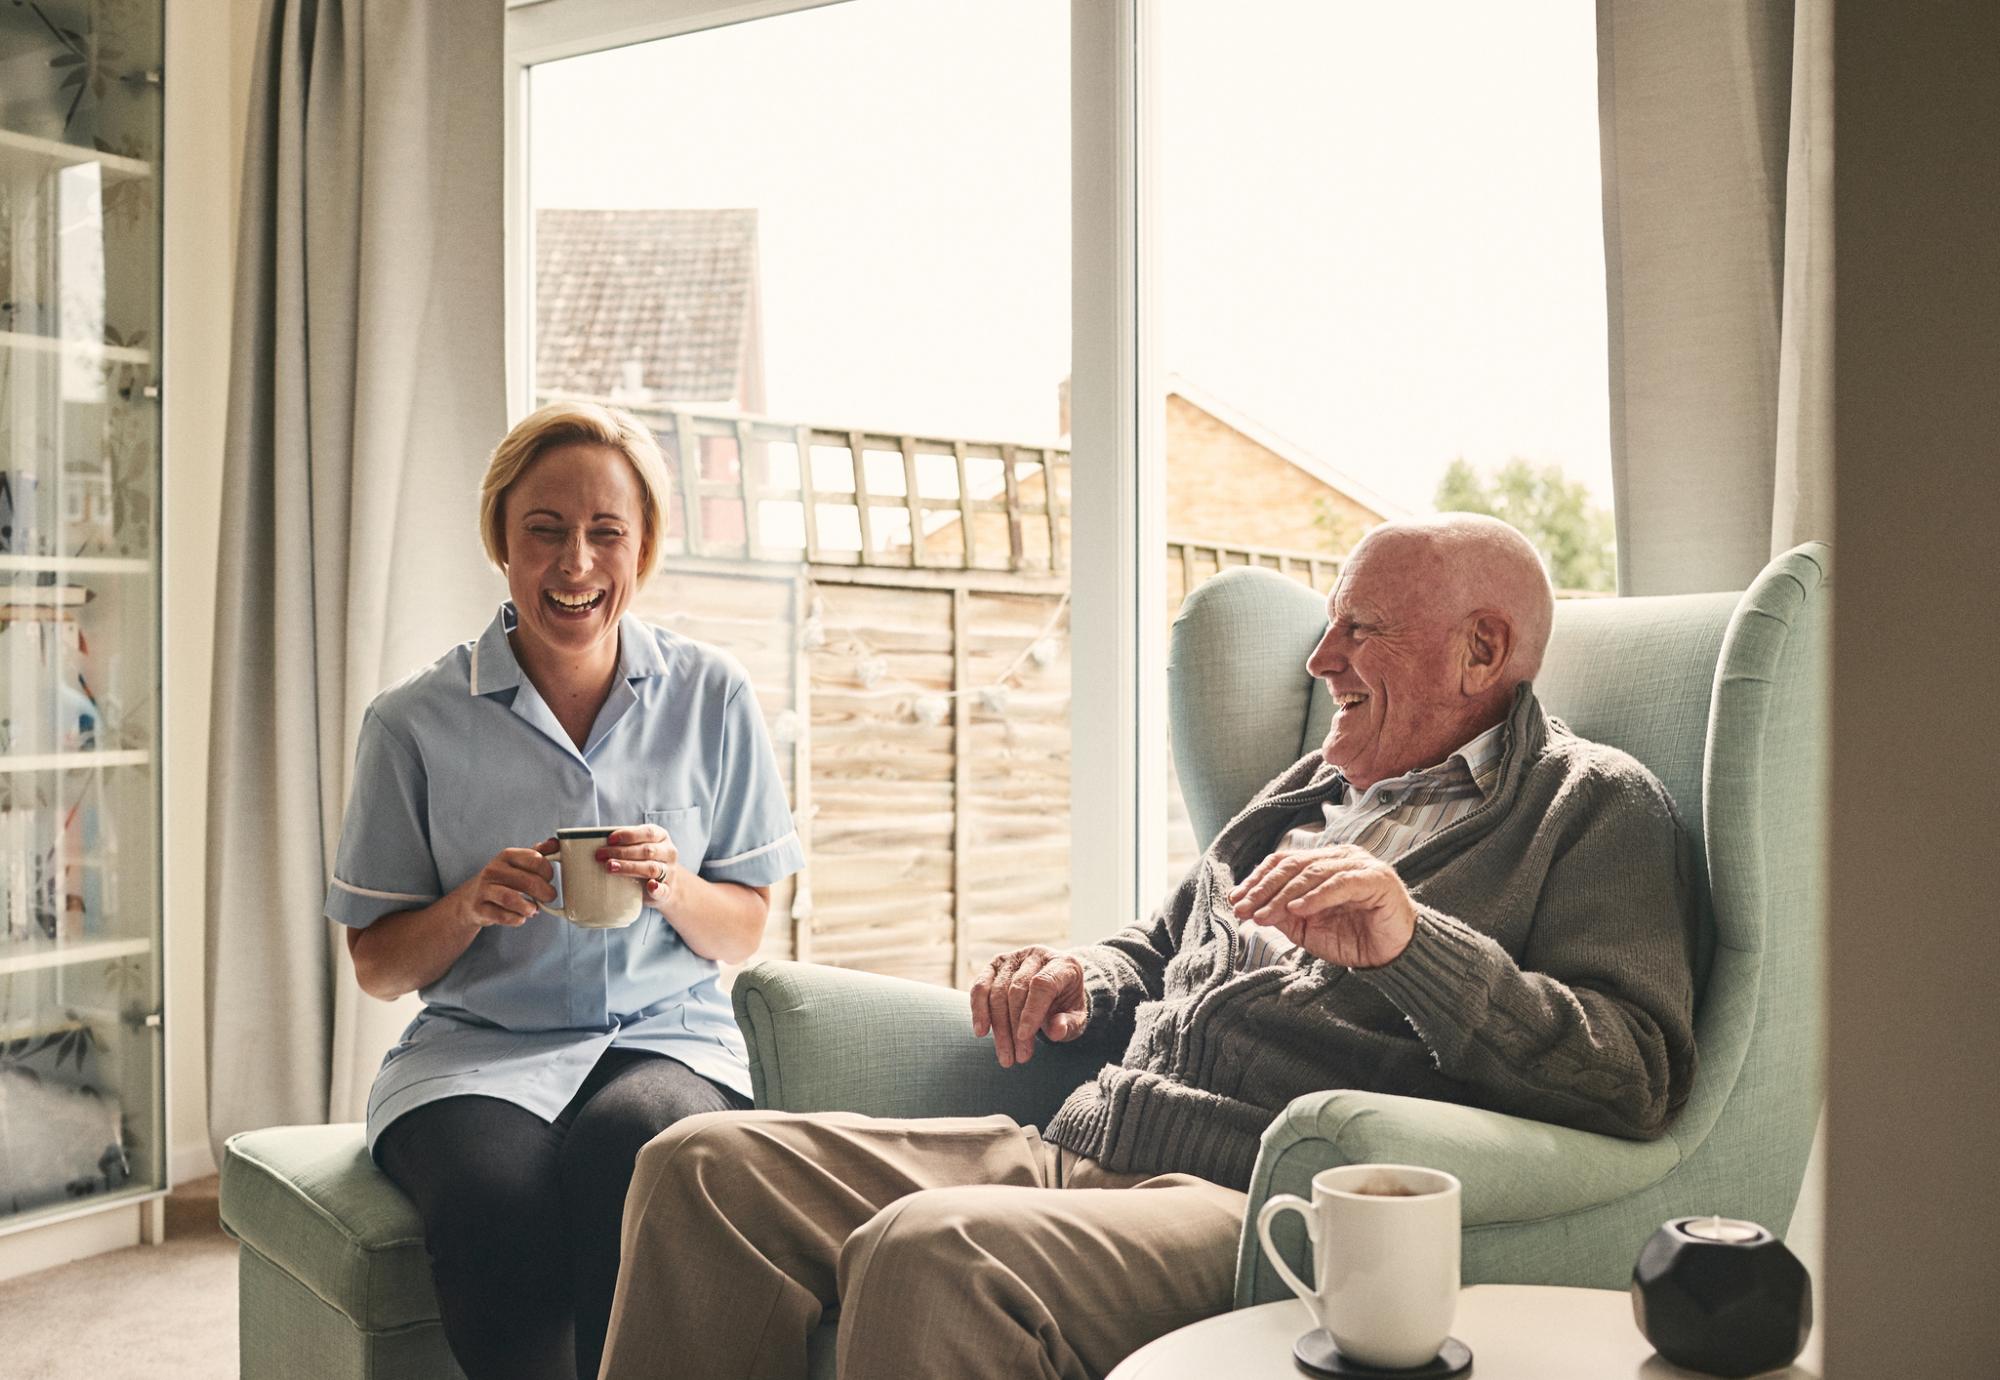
[[309, 1200], [1512, 1170], [333, 1275], [833, 1040]]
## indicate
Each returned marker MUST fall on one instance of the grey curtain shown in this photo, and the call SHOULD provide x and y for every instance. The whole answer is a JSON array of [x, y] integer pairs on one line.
[[1716, 132], [367, 384]]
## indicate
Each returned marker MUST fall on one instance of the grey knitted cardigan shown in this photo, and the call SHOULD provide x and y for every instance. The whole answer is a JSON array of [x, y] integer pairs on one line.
[[1550, 975]]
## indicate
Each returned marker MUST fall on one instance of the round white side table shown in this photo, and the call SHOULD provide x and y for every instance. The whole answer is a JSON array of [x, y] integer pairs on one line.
[[1516, 1332]]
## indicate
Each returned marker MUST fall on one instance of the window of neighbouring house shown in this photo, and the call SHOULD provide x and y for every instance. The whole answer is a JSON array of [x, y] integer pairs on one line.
[[1379, 286], [825, 255]]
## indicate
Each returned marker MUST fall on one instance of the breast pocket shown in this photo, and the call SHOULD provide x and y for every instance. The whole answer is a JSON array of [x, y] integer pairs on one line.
[[688, 830]]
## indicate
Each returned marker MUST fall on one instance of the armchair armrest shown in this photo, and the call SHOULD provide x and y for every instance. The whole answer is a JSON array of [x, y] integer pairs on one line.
[[1512, 1170], [830, 1039]]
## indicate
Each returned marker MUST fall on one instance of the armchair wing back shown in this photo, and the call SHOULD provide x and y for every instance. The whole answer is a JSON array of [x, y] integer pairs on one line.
[[1720, 695], [1758, 801]]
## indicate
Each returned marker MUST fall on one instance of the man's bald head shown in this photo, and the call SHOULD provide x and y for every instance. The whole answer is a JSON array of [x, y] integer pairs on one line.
[[1433, 625], [1480, 563]]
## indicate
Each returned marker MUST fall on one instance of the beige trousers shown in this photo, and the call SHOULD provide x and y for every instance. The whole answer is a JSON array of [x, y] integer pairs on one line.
[[952, 1247]]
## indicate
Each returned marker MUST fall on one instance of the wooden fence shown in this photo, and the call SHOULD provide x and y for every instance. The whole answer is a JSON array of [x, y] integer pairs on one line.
[[758, 489], [926, 750]]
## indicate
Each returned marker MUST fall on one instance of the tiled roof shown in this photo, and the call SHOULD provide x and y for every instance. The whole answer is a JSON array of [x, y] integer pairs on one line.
[[675, 290]]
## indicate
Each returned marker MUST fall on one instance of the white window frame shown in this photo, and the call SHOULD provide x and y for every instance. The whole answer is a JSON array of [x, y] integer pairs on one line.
[[1117, 565]]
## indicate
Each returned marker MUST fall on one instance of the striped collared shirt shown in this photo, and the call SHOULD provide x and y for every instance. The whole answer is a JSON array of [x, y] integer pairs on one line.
[[1388, 819]]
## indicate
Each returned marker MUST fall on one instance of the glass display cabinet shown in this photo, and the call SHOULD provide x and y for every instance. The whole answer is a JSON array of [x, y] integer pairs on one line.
[[82, 1119]]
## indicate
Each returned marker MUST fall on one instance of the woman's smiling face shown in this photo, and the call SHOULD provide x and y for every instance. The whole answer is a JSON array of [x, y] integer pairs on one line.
[[574, 528]]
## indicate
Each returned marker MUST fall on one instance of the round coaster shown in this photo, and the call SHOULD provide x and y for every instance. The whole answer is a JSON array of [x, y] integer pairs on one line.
[[1316, 1354]]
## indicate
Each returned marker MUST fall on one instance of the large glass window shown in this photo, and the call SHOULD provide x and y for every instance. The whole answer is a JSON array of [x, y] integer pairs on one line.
[[826, 256], [1380, 285]]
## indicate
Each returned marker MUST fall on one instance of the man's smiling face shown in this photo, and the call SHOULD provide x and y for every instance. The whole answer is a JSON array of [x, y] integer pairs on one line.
[[1391, 657]]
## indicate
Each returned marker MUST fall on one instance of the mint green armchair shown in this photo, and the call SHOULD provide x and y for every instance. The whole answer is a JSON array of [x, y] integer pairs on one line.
[[1721, 695]]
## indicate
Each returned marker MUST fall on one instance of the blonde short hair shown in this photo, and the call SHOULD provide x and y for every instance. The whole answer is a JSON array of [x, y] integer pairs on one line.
[[571, 423]]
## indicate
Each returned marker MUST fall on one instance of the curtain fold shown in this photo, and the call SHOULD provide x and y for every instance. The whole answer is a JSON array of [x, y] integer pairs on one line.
[[367, 385], [1802, 498], [1716, 143]]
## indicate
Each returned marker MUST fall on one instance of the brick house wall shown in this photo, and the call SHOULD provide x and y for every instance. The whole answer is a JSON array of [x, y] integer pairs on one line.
[[1222, 486]]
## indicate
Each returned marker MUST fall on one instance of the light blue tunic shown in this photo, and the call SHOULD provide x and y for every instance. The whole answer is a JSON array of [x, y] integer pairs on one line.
[[464, 759]]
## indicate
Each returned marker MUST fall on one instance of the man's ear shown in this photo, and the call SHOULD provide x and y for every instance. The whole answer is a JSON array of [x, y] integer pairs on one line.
[[1489, 645]]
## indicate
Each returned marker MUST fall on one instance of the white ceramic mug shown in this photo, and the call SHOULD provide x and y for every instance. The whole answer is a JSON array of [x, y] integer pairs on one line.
[[592, 898], [1385, 1252]]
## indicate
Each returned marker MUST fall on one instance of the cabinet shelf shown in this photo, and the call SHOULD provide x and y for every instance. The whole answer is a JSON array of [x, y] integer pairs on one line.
[[65, 1018], [73, 761], [30, 153], [78, 565], [24, 955], [86, 349]]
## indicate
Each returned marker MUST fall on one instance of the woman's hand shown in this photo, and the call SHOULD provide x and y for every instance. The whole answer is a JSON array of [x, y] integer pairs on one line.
[[509, 890], [408, 950], [647, 852]]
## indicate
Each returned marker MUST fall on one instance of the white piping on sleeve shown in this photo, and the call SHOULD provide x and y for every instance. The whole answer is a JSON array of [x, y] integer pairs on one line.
[[753, 853], [380, 895]]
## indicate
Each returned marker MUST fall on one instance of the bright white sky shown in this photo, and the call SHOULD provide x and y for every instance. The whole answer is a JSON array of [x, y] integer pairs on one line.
[[1380, 225]]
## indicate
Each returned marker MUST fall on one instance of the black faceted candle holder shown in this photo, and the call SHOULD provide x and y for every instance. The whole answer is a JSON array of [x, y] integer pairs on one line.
[[1729, 1308]]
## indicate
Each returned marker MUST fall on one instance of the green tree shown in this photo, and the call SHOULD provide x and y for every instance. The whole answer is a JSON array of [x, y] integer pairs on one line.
[[1342, 529], [1555, 512]]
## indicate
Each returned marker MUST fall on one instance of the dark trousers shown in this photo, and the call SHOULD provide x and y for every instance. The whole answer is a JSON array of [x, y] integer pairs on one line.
[[521, 1216]]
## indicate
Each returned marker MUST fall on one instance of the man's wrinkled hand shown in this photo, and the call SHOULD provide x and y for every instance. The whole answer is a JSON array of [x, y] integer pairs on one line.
[[1341, 904], [1026, 992]]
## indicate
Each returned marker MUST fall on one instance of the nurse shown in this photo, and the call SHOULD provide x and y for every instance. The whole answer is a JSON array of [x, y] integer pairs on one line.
[[545, 1055]]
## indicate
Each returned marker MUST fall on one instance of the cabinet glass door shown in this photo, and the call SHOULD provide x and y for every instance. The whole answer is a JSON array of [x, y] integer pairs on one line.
[[80, 973]]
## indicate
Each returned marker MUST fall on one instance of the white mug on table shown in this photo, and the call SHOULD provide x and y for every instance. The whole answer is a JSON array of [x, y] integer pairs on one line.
[[1385, 1253]]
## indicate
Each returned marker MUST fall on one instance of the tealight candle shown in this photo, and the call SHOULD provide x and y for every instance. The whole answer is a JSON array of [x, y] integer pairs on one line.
[[1721, 1297], [1724, 1229]]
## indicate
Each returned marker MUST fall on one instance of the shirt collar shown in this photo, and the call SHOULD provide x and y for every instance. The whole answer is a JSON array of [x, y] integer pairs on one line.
[[1481, 757], [494, 669]]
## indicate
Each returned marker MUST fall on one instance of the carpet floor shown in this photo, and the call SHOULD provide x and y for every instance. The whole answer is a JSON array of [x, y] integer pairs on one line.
[[165, 1312]]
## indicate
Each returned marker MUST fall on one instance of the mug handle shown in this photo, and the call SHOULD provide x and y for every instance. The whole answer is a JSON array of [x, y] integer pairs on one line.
[[555, 861], [1290, 1202]]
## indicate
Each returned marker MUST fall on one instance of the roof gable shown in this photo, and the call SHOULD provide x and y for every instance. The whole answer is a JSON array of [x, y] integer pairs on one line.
[[1289, 451], [674, 290]]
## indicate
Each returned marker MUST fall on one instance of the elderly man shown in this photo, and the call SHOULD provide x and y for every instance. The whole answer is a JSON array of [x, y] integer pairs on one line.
[[1454, 898]]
